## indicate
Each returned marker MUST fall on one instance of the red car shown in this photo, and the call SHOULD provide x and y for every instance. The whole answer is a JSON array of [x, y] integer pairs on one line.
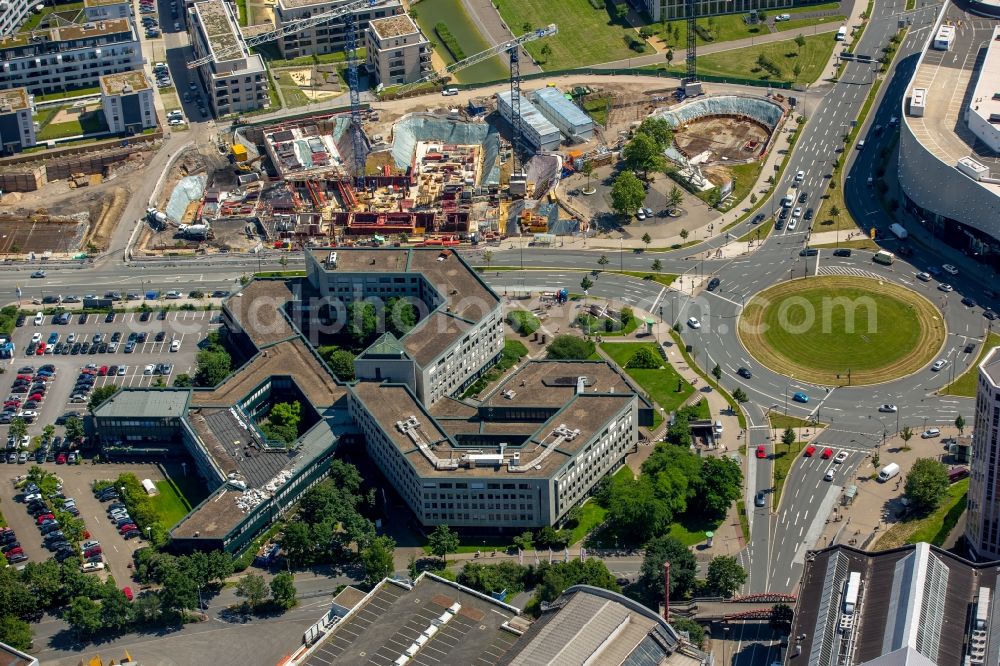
[[43, 517], [26, 378], [14, 551], [760, 452], [809, 451], [90, 552], [127, 591], [127, 528], [102, 371], [88, 371], [61, 459], [37, 397], [827, 454], [41, 349]]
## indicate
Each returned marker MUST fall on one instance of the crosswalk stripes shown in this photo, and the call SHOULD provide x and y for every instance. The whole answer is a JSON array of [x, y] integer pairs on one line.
[[847, 270]]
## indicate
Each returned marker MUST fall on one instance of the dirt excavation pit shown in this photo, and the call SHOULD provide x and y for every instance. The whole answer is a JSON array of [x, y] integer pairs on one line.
[[727, 138], [83, 222]]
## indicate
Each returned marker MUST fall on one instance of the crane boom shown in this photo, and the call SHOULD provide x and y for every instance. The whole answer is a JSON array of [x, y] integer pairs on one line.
[[289, 29], [547, 31]]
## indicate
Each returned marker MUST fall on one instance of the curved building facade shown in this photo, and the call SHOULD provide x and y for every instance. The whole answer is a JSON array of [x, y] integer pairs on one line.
[[949, 177]]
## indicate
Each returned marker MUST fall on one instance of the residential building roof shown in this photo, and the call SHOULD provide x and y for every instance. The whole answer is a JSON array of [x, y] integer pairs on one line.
[[124, 83], [14, 99], [394, 26]]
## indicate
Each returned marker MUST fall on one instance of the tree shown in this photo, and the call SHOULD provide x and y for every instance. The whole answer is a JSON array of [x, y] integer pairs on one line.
[[788, 437], [362, 322], [179, 592], [400, 315], [15, 632], [488, 257], [148, 607], [675, 198], [647, 239], [684, 234], [621, 11], [797, 70], [657, 129], [721, 481], [800, 41], [739, 395], [725, 575], [635, 511], [252, 589], [906, 434], [781, 614], [83, 616], [283, 590], [569, 347], [443, 541], [492, 578], [834, 210], [341, 362], [377, 559], [546, 52], [183, 380], [554, 578], [695, 632], [603, 261], [657, 265], [926, 484], [99, 395], [588, 170], [117, 612], [74, 429], [644, 358], [298, 543], [214, 364], [643, 153], [717, 372], [18, 428], [526, 26], [683, 569], [283, 422], [48, 431], [627, 194], [586, 283], [960, 424], [670, 56]]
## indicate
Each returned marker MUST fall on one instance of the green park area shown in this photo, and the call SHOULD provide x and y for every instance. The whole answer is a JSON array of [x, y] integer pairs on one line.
[[69, 12], [795, 61], [429, 13], [89, 122], [965, 385], [730, 27], [662, 383], [933, 527], [170, 505], [587, 34], [834, 330]]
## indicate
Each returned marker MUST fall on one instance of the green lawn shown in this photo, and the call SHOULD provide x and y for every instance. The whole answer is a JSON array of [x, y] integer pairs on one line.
[[743, 63], [293, 96], [703, 411], [760, 232], [74, 92], [965, 385], [803, 25], [933, 528], [169, 504], [782, 456], [723, 28], [452, 13], [745, 176], [661, 384], [586, 35], [691, 531], [597, 108], [593, 515], [86, 123], [666, 279], [781, 421], [34, 20]]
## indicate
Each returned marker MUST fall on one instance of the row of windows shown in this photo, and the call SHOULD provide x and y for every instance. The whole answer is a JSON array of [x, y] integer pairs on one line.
[[492, 517], [506, 506]]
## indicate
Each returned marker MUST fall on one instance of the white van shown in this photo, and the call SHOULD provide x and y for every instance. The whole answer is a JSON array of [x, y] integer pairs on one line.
[[889, 471], [841, 34], [39, 318], [718, 428]]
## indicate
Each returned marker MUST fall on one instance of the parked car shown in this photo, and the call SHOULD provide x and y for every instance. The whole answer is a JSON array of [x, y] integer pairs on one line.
[[930, 432]]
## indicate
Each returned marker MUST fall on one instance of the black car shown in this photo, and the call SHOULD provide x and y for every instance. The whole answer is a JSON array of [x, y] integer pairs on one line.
[[809, 214], [116, 336], [131, 534], [161, 315], [144, 316], [713, 284], [20, 321], [744, 373], [85, 348], [64, 554], [808, 252], [222, 293], [103, 348], [61, 544], [990, 314], [968, 302], [54, 536], [160, 336], [7, 547], [83, 318], [142, 337], [75, 349], [842, 252], [109, 318], [969, 348], [802, 197]]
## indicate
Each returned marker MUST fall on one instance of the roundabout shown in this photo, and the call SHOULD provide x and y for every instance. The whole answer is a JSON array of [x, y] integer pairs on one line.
[[841, 330]]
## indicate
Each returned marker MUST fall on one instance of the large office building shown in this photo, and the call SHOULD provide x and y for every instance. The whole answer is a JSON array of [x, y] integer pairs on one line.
[[235, 79], [668, 10], [915, 605], [949, 169], [127, 101], [518, 459], [69, 56], [13, 13], [329, 37], [17, 125], [982, 526], [433, 620], [396, 51]]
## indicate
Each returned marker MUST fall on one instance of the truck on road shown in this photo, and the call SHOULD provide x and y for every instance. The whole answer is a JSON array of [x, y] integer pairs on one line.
[[883, 257], [789, 198], [899, 231]]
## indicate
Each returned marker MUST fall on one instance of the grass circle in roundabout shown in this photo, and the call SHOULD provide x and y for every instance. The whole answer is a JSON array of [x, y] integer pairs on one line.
[[817, 329]]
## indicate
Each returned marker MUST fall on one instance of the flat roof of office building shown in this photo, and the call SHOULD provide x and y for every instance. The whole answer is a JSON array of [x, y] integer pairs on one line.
[[542, 451], [145, 403], [15, 99], [257, 309], [432, 335], [553, 383], [115, 84], [916, 595], [566, 109], [394, 26], [949, 78], [390, 619]]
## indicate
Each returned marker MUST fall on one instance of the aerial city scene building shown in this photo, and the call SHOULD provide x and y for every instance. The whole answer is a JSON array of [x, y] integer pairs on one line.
[[454, 332]]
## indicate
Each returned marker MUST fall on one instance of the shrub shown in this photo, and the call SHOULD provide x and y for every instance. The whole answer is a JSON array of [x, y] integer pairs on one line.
[[644, 358], [449, 41], [597, 4], [523, 322]]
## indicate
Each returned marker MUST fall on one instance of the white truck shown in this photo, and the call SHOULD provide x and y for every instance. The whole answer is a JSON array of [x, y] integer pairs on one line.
[[899, 231]]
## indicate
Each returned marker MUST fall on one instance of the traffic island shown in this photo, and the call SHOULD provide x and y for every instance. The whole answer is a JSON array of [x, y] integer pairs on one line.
[[841, 330]]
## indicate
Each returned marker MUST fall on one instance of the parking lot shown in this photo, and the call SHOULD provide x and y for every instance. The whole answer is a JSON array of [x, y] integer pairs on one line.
[[77, 480], [172, 339]]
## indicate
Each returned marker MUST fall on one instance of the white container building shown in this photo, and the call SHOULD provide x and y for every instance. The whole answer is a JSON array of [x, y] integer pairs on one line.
[[564, 114], [538, 131]]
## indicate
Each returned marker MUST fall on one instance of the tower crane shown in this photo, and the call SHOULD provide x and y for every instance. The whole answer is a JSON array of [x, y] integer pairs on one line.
[[512, 48]]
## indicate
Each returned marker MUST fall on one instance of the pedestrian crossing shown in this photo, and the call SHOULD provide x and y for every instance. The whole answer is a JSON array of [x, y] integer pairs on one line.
[[847, 270]]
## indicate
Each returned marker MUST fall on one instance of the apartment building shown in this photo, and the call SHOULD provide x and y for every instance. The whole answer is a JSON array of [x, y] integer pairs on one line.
[[70, 56], [13, 13], [127, 100], [17, 127], [235, 79], [325, 37], [396, 51], [982, 527], [102, 10]]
